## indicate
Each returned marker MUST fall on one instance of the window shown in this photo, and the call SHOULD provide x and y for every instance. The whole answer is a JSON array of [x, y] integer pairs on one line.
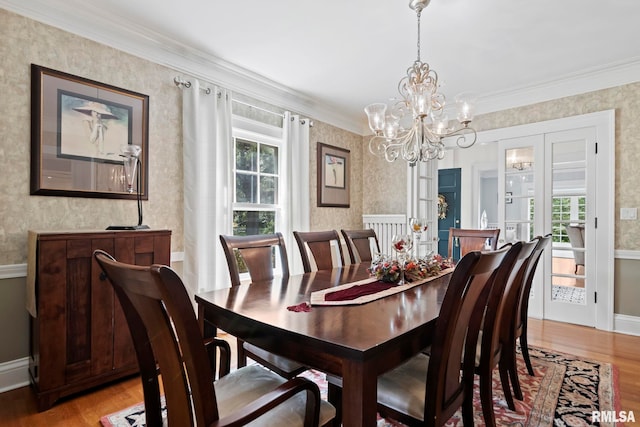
[[258, 180], [256, 187], [566, 210]]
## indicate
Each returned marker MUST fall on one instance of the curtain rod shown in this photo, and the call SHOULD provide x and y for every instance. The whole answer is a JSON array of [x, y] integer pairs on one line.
[[179, 81]]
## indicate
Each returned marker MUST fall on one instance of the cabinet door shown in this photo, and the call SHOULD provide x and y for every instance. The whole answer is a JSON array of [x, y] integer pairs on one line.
[[102, 307], [80, 344], [50, 325], [138, 249]]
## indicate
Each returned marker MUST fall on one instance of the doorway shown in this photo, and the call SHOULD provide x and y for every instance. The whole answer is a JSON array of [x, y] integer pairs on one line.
[[556, 178], [449, 194]]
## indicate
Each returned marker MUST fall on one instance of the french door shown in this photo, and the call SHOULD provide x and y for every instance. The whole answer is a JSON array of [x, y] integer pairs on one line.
[[422, 202], [551, 179], [570, 294]]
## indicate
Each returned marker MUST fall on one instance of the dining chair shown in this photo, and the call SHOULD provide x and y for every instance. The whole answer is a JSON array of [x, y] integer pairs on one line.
[[320, 244], [522, 308], [494, 324], [157, 306], [576, 239], [428, 389], [472, 240], [359, 244], [257, 254]]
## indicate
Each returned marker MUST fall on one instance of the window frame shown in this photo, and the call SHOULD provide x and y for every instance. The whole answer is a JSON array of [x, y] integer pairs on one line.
[[261, 134]]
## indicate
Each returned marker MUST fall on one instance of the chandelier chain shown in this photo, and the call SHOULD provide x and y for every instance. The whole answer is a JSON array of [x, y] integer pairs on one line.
[[418, 13]]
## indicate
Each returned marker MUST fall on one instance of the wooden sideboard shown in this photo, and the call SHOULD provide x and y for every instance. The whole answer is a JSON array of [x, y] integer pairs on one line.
[[79, 336]]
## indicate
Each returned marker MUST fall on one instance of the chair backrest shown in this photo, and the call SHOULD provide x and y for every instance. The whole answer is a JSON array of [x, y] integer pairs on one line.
[[576, 238], [319, 244], [522, 305], [359, 244], [257, 254], [465, 294], [472, 240], [498, 316], [156, 302]]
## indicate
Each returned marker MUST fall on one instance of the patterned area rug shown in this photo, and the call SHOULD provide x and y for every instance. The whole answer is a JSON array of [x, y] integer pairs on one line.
[[564, 392]]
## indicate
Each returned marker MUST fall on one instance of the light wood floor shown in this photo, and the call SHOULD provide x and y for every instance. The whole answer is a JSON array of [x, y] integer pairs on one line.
[[18, 407]]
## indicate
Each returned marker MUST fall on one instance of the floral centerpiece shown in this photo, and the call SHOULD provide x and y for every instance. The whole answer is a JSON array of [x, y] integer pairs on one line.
[[387, 270]]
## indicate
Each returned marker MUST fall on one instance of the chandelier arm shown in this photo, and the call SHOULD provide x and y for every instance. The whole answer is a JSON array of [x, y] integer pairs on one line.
[[463, 133], [430, 136], [462, 142]]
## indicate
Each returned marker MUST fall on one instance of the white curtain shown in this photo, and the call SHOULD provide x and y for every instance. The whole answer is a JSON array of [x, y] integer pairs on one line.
[[207, 149], [296, 209]]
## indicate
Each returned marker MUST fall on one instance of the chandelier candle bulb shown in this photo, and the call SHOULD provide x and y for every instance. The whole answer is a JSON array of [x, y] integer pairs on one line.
[[466, 108], [376, 114]]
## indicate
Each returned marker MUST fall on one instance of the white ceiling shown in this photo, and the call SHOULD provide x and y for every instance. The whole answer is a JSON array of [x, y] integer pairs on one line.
[[336, 56]]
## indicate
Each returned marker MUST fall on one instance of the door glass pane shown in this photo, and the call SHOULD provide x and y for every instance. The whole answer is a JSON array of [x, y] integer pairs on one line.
[[519, 194], [569, 203]]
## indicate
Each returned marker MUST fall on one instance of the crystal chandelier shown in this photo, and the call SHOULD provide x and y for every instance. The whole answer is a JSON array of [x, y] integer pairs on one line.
[[413, 127]]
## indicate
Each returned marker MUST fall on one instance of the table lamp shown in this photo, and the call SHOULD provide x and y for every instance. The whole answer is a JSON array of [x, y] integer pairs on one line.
[[131, 154]]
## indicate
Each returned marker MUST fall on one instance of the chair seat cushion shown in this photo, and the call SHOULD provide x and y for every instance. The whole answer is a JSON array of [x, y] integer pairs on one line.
[[403, 388], [283, 363], [249, 383]]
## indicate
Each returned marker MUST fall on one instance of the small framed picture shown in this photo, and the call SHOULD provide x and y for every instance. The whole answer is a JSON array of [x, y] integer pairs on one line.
[[333, 176]]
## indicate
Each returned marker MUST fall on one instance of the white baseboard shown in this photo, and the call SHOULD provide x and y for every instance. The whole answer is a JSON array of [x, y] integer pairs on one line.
[[14, 374], [625, 324]]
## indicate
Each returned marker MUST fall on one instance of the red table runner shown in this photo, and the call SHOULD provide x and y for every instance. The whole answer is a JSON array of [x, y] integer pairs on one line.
[[364, 291], [356, 291]]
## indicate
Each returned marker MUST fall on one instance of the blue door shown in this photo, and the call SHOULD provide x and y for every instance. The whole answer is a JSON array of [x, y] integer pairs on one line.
[[449, 188]]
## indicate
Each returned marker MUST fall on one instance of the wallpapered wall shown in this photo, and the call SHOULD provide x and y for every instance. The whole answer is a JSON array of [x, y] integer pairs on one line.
[[323, 218], [626, 102], [25, 41], [376, 186], [385, 183]]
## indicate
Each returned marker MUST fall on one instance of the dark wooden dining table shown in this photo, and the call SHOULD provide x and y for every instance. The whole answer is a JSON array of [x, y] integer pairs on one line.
[[355, 342]]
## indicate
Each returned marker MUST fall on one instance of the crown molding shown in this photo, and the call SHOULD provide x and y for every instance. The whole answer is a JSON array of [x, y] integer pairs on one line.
[[589, 80]]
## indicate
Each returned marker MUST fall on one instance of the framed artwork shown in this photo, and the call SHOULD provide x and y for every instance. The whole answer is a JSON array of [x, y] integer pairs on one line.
[[334, 165], [80, 129], [508, 197]]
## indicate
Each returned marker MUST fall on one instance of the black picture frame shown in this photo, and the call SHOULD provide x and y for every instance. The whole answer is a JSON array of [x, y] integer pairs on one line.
[[78, 129], [334, 164]]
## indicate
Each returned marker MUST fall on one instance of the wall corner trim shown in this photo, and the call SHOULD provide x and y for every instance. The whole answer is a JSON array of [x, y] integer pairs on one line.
[[626, 254], [11, 271]]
